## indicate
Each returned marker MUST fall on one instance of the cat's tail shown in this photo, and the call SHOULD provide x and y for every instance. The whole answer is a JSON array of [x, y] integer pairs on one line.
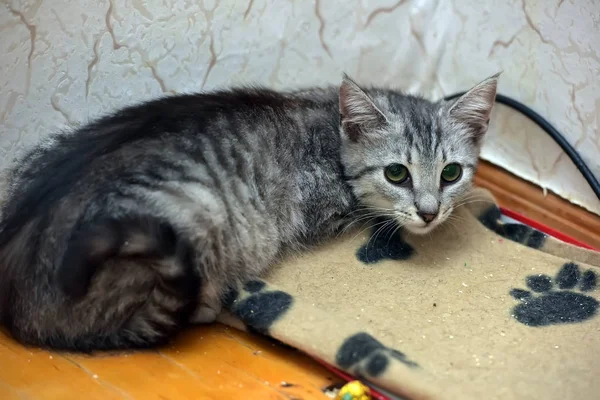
[[140, 237], [16, 252], [139, 319]]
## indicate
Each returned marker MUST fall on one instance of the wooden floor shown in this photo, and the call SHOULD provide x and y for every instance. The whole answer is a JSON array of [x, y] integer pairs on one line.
[[220, 363], [214, 362]]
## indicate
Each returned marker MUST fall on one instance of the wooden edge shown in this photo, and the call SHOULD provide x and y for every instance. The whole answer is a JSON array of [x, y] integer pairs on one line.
[[529, 200]]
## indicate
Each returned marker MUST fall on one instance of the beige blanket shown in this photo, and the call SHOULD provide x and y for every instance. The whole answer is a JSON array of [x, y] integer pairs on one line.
[[479, 309]]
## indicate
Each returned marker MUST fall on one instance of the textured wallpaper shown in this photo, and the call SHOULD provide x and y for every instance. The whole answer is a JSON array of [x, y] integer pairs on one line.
[[64, 62]]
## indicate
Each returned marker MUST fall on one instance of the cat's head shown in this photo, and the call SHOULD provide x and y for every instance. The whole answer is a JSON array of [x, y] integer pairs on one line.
[[410, 158]]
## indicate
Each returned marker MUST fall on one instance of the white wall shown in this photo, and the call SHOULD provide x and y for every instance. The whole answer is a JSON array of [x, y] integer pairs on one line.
[[64, 62]]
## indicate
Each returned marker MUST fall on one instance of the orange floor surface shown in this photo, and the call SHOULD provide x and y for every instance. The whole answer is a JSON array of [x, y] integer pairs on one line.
[[212, 362]]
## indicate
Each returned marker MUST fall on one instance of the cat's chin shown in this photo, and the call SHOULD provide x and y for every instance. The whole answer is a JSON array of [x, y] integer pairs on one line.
[[421, 229]]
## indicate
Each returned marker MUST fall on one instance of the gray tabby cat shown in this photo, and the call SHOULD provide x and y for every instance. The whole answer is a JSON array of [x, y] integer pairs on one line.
[[118, 234]]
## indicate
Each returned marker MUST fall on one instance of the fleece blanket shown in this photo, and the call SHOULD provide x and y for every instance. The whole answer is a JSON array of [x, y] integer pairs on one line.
[[478, 309]]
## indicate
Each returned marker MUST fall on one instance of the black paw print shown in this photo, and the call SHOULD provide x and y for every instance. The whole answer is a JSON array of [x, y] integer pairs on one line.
[[492, 219], [366, 356], [261, 309], [553, 306]]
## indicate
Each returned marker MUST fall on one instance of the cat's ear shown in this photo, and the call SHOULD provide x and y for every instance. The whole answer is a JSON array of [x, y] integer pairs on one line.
[[473, 109], [359, 116]]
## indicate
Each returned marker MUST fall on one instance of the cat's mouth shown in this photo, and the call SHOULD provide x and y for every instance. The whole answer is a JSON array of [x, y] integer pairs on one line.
[[419, 227]]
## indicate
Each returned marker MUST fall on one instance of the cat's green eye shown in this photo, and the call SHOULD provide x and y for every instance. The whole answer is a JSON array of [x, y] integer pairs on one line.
[[451, 173], [396, 173]]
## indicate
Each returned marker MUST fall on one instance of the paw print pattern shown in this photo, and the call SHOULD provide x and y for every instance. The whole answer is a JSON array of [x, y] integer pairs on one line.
[[519, 233], [384, 243], [364, 355], [261, 309], [558, 301]]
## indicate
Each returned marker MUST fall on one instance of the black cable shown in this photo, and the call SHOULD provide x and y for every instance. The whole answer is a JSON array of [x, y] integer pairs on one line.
[[554, 134]]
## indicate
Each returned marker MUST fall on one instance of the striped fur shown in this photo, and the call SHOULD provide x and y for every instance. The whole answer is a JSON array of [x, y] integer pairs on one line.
[[117, 234]]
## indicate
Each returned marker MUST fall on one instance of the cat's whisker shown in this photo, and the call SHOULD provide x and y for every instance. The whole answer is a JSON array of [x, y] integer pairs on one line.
[[457, 217], [452, 225], [371, 237], [368, 218], [368, 227], [389, 227], [446, 225], [369, 208], [382, 229], [453, 220], [365, 221], [398, 227], [367, 215], [376, 213], [471, 202], [460, 218], [374, 236], [352, 223]]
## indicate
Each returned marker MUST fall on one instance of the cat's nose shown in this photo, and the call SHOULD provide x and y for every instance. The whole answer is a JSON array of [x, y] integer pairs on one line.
[[427, 216]]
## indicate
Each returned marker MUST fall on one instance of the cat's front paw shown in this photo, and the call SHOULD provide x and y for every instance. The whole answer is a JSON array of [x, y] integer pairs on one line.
[[205, 314], [209, 307]]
